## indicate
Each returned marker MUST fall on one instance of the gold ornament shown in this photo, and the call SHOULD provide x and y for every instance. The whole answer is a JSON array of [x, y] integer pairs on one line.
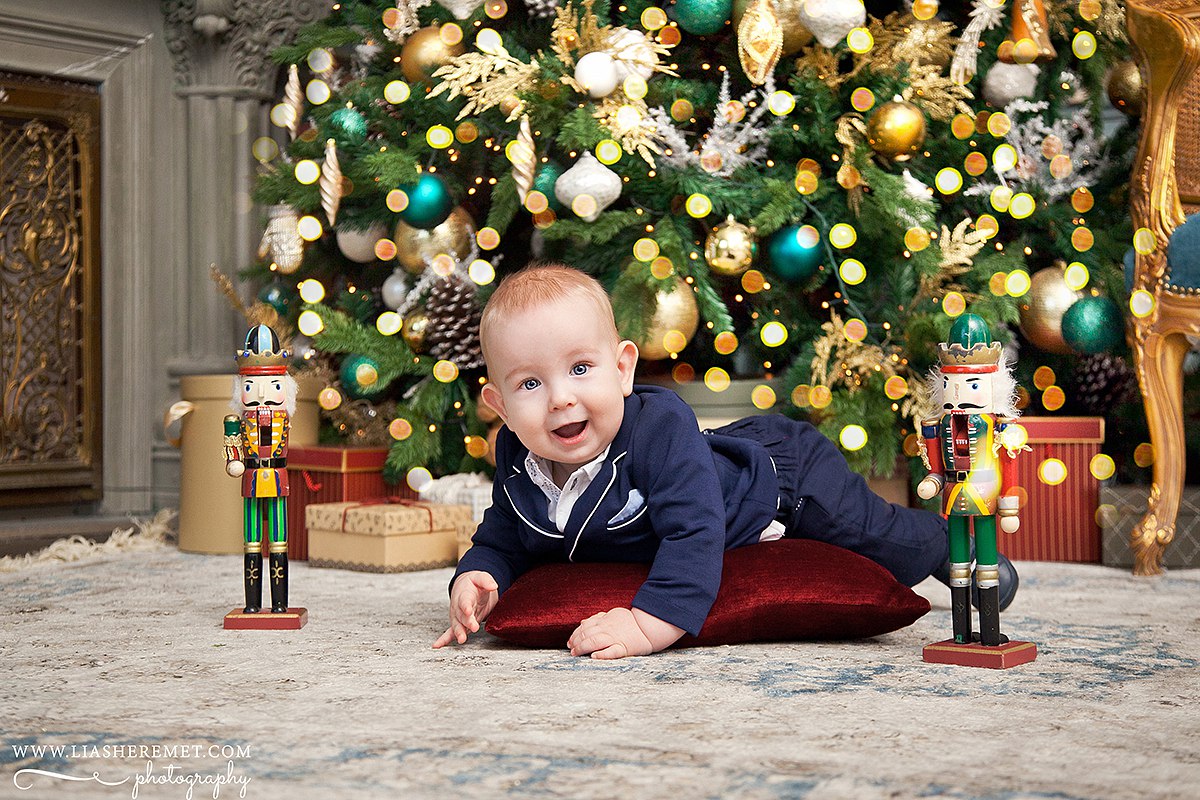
[[896, 130], [424, 52], [416, 326], [1030, 37], [730, 247], [524, 167], [281, 240], [795, 35], [509, 105], [760, 41], [416, 247], [293, 98], [331, 182], [1125, 88], [676, 317], [1043, 306]]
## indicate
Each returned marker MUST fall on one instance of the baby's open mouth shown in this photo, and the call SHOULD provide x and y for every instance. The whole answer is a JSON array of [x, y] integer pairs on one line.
[[570, 431]]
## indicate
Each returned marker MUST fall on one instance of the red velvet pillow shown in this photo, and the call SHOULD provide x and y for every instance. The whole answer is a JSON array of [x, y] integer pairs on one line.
[[790, 589]]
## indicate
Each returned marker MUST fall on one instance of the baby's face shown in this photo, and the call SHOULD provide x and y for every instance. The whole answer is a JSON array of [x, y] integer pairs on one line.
[[559, 379]]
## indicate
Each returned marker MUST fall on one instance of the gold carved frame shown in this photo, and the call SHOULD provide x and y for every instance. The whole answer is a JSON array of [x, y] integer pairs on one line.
[[1165, 186], [50, 368]]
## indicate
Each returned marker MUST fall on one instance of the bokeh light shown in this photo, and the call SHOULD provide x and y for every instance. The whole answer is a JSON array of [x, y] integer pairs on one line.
[[853, 437], [329, 398], [418, 478], [1052, 471], [716, 379], [1102, 466]]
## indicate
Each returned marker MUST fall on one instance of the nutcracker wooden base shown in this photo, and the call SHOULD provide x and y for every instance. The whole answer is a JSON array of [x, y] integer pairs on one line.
[[1009, 654], [291, 620]]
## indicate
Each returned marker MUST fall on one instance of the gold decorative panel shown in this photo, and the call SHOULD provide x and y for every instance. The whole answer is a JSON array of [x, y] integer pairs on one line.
[[50, 426]]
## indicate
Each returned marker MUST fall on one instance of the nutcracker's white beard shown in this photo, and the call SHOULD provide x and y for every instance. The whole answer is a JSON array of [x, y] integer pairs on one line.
[[290, 391], [1004, 392]]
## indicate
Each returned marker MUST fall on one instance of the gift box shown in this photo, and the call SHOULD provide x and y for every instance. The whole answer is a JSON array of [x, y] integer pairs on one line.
[[1122, 507], [390, 535], [332, 474], [1058, 521], [472, 489]]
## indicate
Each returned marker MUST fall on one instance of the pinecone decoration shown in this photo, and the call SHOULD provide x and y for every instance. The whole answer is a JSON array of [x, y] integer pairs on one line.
[[453, 313], [1103, 381], [541, 8]]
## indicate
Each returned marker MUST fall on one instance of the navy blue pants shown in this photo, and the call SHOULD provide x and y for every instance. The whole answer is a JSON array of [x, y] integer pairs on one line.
[[822, 499]]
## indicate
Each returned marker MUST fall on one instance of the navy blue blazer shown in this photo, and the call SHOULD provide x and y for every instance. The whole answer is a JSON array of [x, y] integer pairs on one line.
[[667, 495]]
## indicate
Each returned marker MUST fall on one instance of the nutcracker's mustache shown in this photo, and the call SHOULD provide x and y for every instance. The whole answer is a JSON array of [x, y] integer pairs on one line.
[[952, 406], [253, 403]]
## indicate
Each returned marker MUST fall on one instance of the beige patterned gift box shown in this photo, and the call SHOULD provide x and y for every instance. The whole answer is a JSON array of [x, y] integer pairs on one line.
[[391, 535]]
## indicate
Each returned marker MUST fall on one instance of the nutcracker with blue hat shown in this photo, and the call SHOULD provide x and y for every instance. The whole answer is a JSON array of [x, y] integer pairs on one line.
[[969, 453], [256, 448]]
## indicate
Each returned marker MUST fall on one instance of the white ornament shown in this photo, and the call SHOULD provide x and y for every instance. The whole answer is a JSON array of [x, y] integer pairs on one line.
[[461, 9], [632, 53], [597, 74], [831, 20], [588, 177], [394, 289], [1005, 83], [359, 245]]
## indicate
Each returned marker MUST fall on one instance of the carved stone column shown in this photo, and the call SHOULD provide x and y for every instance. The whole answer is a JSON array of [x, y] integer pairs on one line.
[[225, 76]]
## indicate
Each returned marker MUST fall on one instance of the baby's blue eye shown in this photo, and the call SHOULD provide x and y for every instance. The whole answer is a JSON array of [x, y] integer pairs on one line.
[[579, 369], [531, 384]]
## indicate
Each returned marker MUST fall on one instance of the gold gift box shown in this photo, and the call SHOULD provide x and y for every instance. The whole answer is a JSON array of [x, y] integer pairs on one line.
[[386, 536]]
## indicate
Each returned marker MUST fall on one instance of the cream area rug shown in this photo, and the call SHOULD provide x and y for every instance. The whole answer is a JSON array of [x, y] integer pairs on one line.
[[120, 682]]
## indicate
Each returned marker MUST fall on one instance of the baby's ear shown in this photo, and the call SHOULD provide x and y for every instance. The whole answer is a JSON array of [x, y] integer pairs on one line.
[[490, 395], [627, 357]]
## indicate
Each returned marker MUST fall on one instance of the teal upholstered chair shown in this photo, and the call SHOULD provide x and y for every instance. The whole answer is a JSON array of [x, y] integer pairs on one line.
[[1165, 189]]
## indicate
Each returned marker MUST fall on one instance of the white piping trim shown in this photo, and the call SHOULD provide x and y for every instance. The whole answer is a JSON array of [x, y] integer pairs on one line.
[[620, 525], [611, 481], [517, 511]]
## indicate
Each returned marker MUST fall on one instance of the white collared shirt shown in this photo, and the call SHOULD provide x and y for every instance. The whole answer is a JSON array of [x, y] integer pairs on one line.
[[562, 501]]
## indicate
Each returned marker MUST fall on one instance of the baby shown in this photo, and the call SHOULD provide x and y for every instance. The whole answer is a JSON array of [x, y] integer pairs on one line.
[[590, 467]]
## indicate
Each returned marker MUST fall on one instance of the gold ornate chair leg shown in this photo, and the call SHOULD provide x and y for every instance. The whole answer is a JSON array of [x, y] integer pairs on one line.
[[1160, 372]]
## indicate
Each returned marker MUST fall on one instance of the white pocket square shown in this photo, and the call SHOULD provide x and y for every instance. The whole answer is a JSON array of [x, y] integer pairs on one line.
[[633, 505]]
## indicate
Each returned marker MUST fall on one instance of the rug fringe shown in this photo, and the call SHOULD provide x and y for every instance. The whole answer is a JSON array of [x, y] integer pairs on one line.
[[144, 535]]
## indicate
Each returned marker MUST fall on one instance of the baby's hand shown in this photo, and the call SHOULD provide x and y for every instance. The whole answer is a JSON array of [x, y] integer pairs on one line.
[[471, 600], [610, 634]]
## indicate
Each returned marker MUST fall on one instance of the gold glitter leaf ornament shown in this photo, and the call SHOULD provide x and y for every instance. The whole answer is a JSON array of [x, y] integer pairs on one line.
[[331, 182], [760, 41]]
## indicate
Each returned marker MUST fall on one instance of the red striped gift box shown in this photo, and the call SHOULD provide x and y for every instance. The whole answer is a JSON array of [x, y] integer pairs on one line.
[[1058, 521], [332, 474]]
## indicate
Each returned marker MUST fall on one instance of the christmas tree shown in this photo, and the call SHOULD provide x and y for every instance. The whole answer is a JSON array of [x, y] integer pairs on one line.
[[795, 192]]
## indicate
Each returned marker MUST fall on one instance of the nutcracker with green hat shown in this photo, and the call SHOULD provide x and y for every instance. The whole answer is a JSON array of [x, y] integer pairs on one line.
[[969, 452], [256, 448]]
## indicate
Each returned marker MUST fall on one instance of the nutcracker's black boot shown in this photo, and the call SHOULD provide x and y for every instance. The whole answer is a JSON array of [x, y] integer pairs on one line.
[[279, 583], [960, 613], [1009, 580], [989, 617], [253, 579]]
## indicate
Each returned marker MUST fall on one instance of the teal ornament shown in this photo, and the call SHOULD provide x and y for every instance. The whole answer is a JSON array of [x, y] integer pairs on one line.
[[544, 183], [277, 297], [703, 17], [1183, 254], [360, 377], [794, 256], [969, 331], [1093, 325], [429, 202], [350, 123]]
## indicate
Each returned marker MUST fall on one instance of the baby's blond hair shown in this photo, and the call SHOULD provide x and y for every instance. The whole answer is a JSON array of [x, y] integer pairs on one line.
[[540, 283]]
